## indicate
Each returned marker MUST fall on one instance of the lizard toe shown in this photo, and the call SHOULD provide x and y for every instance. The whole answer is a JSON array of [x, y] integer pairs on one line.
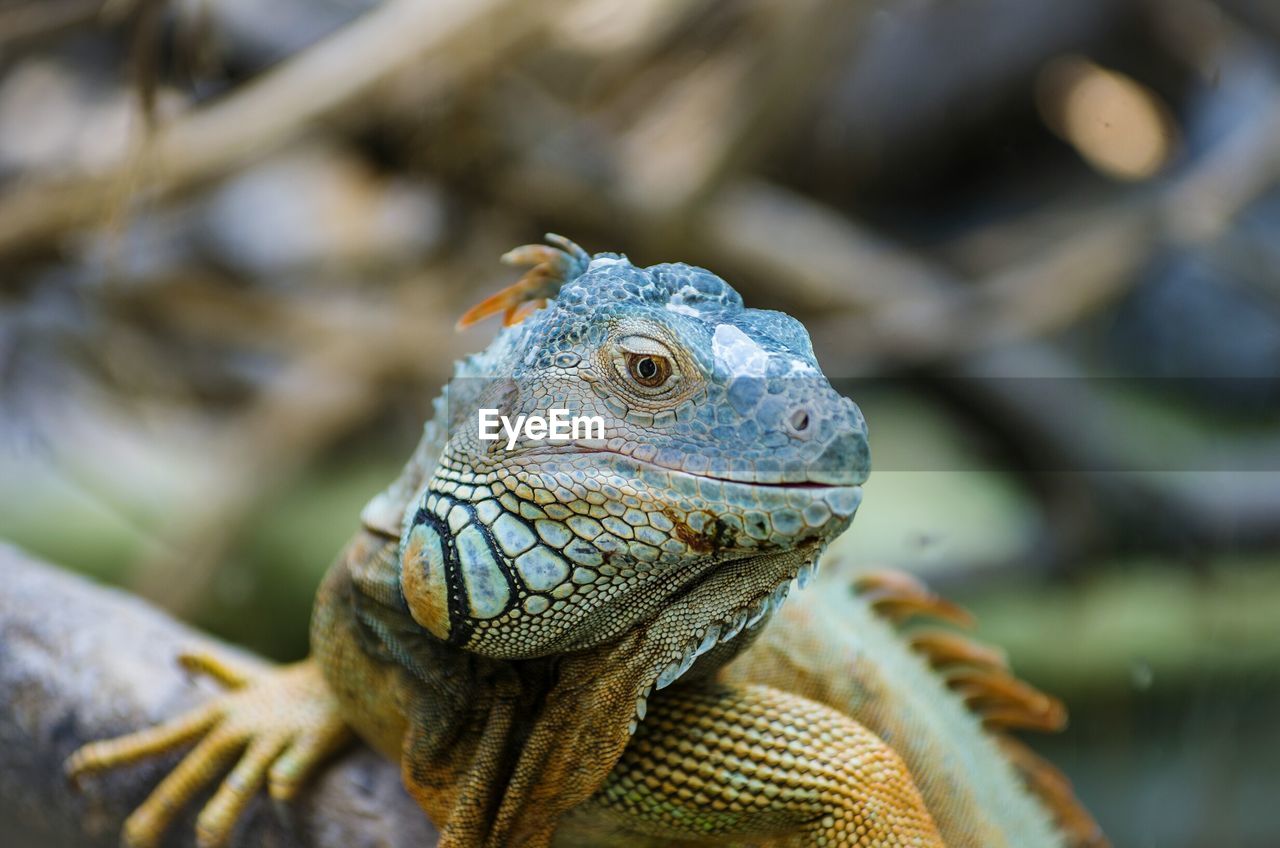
[[135, 747], [146, 826], [228, 672], [218, 818], [290, 770]]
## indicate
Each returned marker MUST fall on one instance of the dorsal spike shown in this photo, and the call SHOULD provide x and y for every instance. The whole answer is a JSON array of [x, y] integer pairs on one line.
[[552, 267], [576, 253], [1054, 790], [946, 648], [978, 673], [1003, 700], [898, 596]]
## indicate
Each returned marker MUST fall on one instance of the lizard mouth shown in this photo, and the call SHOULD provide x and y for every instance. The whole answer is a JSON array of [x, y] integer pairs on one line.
[[850, 482], [842, 500], [803, 484]]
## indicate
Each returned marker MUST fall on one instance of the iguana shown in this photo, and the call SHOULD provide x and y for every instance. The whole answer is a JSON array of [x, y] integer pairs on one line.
[[584, 642]]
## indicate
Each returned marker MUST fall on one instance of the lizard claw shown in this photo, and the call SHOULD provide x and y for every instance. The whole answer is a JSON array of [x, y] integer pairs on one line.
[[246, 727]]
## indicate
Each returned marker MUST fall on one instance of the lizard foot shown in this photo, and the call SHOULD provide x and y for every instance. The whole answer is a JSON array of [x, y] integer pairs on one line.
[[278, 725]]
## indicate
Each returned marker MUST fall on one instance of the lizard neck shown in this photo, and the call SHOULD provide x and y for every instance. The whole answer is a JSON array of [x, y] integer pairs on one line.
[[401, 688], [425, 693]]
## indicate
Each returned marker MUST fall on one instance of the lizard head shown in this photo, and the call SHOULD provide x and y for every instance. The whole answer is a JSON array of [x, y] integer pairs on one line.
[[708, 447]]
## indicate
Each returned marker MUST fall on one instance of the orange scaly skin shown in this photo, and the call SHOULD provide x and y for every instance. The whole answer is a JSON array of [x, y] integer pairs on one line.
[[573, 647], [945, 702]]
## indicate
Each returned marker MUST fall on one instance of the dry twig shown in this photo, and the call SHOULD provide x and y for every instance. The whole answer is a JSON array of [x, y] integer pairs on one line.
[[264, 114]]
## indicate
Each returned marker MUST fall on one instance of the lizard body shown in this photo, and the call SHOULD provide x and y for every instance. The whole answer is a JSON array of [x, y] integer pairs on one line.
[[569, 641]]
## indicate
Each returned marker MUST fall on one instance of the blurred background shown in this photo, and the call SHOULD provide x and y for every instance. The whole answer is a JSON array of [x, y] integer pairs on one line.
[[1037, 240]]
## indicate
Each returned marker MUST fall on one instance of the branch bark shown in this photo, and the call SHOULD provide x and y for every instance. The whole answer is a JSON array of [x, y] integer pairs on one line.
[[79, 662]]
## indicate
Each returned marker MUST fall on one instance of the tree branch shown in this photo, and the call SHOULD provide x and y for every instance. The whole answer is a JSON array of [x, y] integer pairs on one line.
[[262, 115], [79, 663]]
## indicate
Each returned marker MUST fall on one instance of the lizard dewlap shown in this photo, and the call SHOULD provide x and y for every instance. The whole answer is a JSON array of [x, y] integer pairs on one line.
[[580, 638]]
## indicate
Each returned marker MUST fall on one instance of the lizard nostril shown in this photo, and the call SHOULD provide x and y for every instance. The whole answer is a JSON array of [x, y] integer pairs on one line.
[[799, 420]]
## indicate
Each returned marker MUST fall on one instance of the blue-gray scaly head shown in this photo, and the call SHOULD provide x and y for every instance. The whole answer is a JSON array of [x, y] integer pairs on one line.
[[706, 434]]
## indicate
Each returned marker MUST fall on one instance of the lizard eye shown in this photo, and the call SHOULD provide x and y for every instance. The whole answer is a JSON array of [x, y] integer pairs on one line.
[[649, 367], [649, 370]]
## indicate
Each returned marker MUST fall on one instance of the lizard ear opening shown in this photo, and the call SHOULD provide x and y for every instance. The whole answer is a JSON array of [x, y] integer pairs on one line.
[[552, 267]]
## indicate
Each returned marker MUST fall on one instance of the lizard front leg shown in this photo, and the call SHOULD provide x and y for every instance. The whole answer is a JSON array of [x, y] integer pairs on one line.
[[733, 763], [276, 727]]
